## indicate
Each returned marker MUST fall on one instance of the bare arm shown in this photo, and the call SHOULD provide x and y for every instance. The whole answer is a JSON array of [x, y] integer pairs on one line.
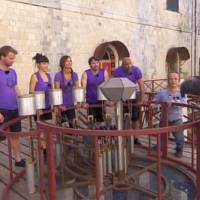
[[32, 83], [141, 87], [57, 84], [1, 118], [106, 75], [76, 84], [17, 90], [84, 80]]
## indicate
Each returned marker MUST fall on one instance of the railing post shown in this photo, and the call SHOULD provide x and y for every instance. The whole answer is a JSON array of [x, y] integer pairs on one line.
[[98, 180], [198, 161], [10, 158], [51, 166], [150, 125], [159, 170], [41, 169], [164, 136]]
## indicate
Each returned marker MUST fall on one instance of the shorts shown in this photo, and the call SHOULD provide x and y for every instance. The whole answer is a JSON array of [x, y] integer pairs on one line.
[[135, 110], [9, 115], [68, 115], [45, 116], [97, 113]]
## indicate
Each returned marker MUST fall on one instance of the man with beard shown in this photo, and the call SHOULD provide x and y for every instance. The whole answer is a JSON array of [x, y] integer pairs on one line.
[[8, 97]]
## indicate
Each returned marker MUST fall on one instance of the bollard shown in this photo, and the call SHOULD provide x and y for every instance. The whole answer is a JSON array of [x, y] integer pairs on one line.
[[30, 177]]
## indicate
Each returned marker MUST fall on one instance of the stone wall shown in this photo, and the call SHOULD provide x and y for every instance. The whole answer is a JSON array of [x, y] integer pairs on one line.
[[77, 27]]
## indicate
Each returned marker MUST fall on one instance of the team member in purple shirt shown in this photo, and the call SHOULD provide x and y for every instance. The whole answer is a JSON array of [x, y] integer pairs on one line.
[[8, 97], [91, 79], [41, 81], [66, 79], [134, 74]]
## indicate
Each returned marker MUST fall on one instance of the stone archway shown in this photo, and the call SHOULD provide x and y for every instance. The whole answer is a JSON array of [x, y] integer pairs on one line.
[[175, 59], [111, 54]]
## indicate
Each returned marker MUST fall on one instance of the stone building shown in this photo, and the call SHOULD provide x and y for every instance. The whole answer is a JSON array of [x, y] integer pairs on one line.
[[160, 35]]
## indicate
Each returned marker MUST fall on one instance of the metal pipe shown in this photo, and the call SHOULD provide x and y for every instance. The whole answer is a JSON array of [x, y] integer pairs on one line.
[[58, 154], [159, 175], [198, 161], [193, 141], [30, 177], [164, 137], [104, 163], [109, 157], [97, 159], [10, 158], [116, 159], [40, 168], [125, 161], [120, 139], [51, 166], [132, 144]]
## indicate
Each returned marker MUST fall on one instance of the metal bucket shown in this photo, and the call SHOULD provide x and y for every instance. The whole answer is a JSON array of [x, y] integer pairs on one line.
[[100, 95], [56, 97], [79, 94], [26, 105], [133, 96], [39, 100]]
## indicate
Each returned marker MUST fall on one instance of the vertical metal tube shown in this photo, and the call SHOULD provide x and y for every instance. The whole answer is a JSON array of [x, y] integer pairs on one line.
[[159, 175], [125, 161], [58, 154], [193, 142], [31, 140], [30, 177], [109, 159], [164, 137], [120, 139], [198, 160], [10, 158], [40, 168], [104, 163], [51, 167], [116, 159], [132, 144], [97, 156]]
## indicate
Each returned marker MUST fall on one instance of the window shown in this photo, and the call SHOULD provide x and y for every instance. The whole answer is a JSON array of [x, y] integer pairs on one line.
[[173, 5]]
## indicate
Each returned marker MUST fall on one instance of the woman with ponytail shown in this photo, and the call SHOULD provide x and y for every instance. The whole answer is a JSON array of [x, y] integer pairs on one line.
[[41, 81], [66, 79]]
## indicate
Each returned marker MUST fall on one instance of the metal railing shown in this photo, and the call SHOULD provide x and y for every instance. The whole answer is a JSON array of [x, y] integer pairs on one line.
[[71, 142]]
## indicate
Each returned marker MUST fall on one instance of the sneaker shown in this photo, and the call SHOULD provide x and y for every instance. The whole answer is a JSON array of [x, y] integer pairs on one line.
[[21, 163], [137, 141]]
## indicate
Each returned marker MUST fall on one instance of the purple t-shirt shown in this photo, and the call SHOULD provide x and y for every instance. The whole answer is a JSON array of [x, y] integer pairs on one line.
[[93, 81], [134, 75], [41, 85], [67, 87], [8, 95]]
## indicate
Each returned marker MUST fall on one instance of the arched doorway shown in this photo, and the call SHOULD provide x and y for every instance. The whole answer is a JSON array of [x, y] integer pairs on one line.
[[111, 54], [175, 59]]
